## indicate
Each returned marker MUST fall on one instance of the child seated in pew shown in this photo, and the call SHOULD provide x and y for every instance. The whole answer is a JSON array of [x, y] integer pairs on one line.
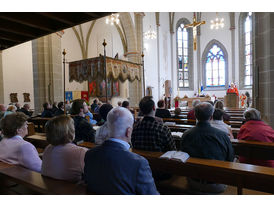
[[177, 113], [13, 148], [62, 159]]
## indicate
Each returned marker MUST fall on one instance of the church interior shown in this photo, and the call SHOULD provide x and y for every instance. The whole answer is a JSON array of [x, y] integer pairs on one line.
[[177, 57]]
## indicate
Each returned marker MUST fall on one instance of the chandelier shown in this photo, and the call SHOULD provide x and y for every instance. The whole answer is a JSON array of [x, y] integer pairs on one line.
[[217, 23], [113, 18], [150, 34]]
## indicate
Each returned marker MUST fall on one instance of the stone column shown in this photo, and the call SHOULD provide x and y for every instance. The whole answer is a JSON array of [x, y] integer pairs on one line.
[[47, 70], [1, 80], [232, 29], [135, 87], [263, 72]]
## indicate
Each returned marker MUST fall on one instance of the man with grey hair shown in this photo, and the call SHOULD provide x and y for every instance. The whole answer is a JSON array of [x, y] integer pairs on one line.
[[191, 113], [255, 129], [207, 142], [111, 168]]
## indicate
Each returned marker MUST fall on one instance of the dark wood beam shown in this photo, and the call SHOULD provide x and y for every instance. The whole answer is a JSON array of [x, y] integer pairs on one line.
[[61, 17], [31, 20]]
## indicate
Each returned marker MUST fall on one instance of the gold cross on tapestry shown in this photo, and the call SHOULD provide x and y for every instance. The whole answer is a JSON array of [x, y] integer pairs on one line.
[[194, 25]]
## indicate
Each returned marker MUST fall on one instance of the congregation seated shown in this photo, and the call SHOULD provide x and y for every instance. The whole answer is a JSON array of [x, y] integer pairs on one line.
[[47, 110], [220, 105], [2, 110], [205, 141], [60, 110], [161, 111], [149, 134], [13, 148], [94, 107], [177, 113], [83, 129], [18, 107], [217, 122], [102, 132], [91, 120], [62, 159], [11, 109], [119, 103], [25, 110], [54, 108], [255, 129], [191, 113], [111, 168], [68, 107]]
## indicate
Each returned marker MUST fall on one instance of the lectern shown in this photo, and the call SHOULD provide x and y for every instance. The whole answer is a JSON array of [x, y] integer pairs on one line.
[[232, 100]]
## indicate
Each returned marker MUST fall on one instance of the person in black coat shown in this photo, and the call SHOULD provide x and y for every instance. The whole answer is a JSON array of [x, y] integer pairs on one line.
[[161, 111], [83, 129], [60, 110], [47, 110]]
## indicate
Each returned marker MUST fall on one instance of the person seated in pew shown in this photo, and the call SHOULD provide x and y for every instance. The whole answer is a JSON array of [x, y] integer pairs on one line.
[[102, 132], [111, 169], [94, 107], [2, 110], [255, 129], [217, 122], [220, 105], [191, 113], [18, 107], [177, 113], [62, 159], [83, 129], [149, 134], [60, 110], [11, 109], [161, 111], [13, 148], [54, 108], [207, 142], [91, 120], [47, 110], [25, 109]]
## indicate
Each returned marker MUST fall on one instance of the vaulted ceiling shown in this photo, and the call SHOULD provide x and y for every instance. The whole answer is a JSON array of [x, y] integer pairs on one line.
[[20, 27]]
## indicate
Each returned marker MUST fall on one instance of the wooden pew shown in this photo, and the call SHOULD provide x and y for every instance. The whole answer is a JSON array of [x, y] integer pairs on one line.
[[230, 173], [234, 124], [37, 183], [253, 149], [39, 123]]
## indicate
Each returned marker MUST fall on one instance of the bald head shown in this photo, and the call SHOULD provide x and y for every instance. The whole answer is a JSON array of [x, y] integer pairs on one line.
[[204, 111], [119, 122], [3, 108]]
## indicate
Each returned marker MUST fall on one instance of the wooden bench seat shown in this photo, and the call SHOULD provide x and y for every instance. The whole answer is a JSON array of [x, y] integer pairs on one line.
[[38, 183], [231, 173]]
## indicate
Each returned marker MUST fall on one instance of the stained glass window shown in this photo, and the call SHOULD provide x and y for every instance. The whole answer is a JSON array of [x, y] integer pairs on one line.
[[248, 50], [215, 67], [183, 56]]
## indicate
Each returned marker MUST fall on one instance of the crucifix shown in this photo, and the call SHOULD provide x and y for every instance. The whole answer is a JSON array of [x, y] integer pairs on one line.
[[194, 25]]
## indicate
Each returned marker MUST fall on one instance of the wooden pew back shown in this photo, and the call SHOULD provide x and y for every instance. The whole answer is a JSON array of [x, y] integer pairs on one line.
[[38, 183]]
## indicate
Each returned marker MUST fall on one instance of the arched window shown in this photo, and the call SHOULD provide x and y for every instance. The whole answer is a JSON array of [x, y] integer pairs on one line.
[[245, 33], [215, 66], [184, 55]]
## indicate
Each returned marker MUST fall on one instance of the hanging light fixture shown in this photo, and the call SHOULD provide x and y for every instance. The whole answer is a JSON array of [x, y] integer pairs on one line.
[[150, 34], [113, 18], [217, 23]]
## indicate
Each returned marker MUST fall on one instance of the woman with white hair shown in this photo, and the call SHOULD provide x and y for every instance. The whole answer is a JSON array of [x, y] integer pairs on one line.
[[256, 130]]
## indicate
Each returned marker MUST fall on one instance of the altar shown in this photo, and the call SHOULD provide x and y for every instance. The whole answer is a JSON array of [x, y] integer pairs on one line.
[[189, 100]]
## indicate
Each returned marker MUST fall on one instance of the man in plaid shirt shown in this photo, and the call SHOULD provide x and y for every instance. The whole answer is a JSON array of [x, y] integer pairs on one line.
[[149, 134]]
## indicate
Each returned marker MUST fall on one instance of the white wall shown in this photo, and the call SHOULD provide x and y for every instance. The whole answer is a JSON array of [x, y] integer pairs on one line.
[[150, 58], [18, 72]]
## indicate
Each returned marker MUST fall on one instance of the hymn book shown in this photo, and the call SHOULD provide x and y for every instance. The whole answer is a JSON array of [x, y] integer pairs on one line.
[[177, 155]]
